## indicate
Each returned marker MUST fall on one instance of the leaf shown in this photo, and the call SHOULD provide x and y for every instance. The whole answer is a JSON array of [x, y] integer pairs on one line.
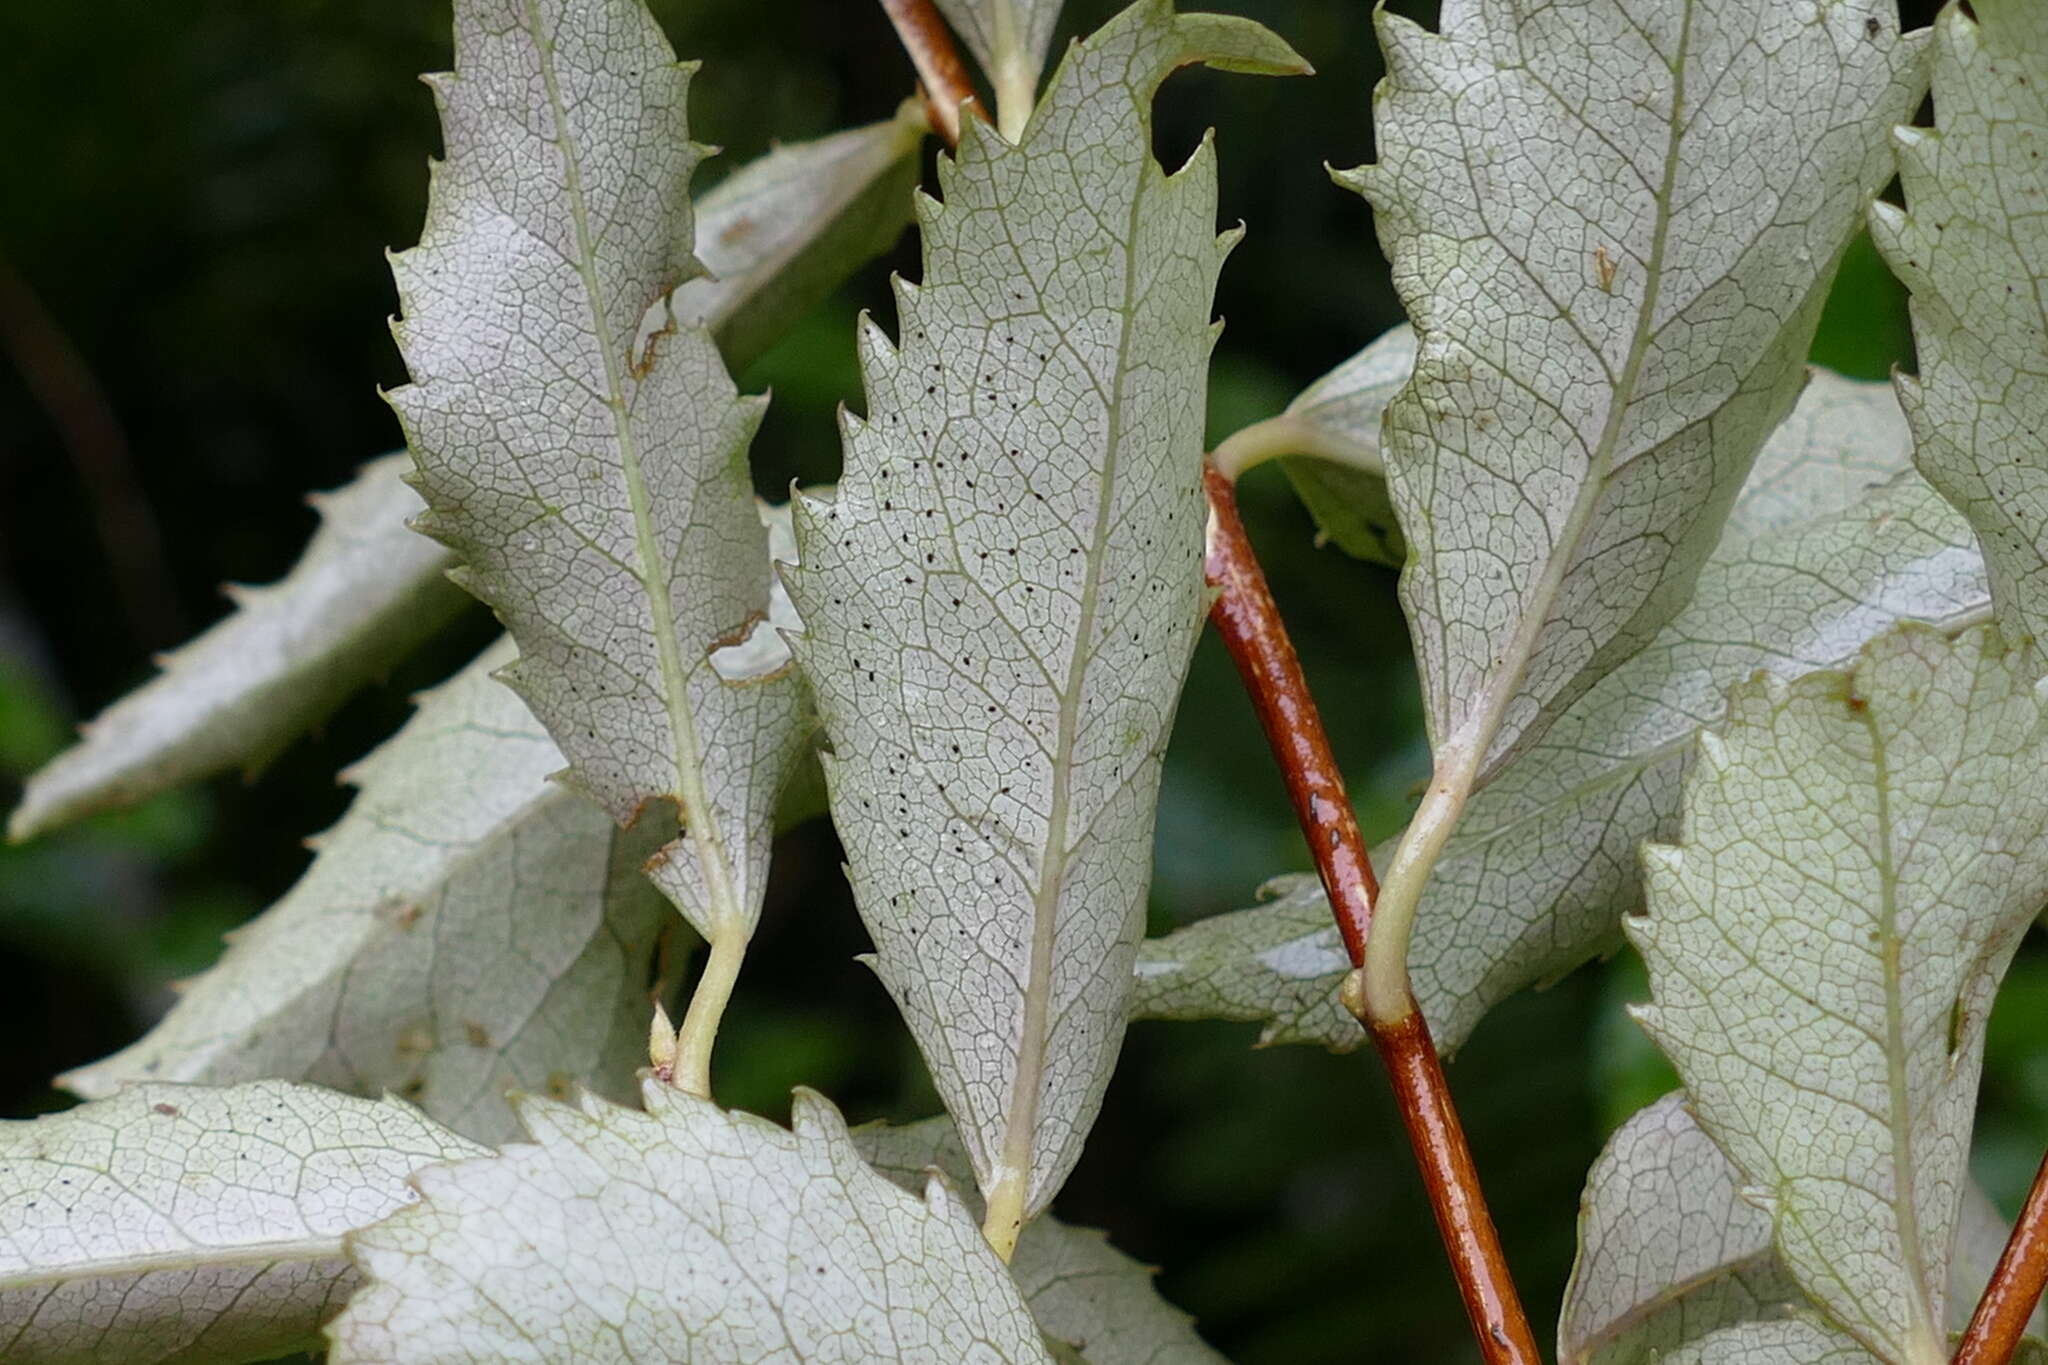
[[596, 488], [1085, 1294], [1001, 602], [1351, 510], [1278, 964], [174, 1223], [1614, 256], [684, 1233], [364, 593], [1670, 1250], [1543, 865], [1972, 246], [1823, 945], [1842, 440], [468, 928], [778, 234], [1789, 1341]]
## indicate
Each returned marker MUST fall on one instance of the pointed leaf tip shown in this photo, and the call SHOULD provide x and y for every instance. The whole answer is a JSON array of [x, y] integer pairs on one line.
[[1228, 42]]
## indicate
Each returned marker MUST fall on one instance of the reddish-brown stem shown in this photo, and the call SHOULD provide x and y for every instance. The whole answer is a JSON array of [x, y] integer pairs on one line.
[[1455, 1198], [925, 37], [1245, 616], [2015, 1287]]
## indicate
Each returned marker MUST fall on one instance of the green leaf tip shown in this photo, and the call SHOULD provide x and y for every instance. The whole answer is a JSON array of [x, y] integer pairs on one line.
[[1228, 42]]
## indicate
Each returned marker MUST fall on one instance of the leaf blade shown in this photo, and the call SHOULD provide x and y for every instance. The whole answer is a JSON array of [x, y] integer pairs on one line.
[[1862, 801], [1592, 442], [228, 1249], [1028, 649], [467, 928], [593, 480], [760, 1244], [1972, 246], [1668, 1249], [365, 592]]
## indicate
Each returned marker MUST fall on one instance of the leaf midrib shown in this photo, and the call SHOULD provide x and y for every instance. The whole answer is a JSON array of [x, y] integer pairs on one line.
[[1477, 734], [191, 1257], [1021, 1125], [693, 801], [1922, 1339]]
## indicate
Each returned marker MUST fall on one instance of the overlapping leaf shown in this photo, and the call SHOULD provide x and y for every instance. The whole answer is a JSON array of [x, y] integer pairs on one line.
[[1544, 864], [594, 485], [1972, 245], [1001, 600], [365, 592], [469, 927], [682, 1233], [1277, 964], [1856, 864], [177, 1223], [777, 235], [1668, 1248], [1084, 1293], [1614, 250], [1803, 1340], [1671, 1250]]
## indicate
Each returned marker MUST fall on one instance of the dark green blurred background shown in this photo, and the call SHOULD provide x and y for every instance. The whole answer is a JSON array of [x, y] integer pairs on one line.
[[192, 309]]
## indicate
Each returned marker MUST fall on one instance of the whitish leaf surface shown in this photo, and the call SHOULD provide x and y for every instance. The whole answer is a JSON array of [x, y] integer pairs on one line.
[[1277, 964], [1972, 245], [779, 234], [1001, 601], [1786, 1341], [1614, 255], [1084, 1293], [682, 1233], [596, 488], [1857, 860], [1670, 1249], [176, 1223], [365, 591], [1544, 864], [468, 928]]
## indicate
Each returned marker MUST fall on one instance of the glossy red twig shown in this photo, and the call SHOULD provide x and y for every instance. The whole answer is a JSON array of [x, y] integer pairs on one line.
[[2015, 1287], [925, 37], [1245, 616]]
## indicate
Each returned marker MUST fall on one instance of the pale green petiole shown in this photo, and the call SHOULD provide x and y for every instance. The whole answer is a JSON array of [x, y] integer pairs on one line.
[[1290, 434]]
